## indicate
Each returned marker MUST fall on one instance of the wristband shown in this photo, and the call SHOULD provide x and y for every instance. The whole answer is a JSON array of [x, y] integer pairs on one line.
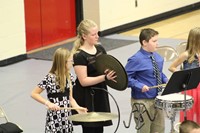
[[106, 77]]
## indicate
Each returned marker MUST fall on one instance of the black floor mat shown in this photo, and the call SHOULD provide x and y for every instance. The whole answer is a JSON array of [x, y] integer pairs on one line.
[[107, 43]]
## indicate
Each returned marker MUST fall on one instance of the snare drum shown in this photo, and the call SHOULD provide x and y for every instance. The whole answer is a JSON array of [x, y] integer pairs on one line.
[[174, 101]]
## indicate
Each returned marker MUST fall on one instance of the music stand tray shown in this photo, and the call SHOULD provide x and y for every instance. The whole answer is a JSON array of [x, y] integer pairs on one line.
[[183, 80]]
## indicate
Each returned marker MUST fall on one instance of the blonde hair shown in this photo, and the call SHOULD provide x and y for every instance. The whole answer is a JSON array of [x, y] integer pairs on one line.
[[82, 29], [58, 68], [193, 44]]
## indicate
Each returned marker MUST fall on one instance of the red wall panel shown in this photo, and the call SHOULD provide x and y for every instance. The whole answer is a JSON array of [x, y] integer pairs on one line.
[[33, 24], [49, 21], [58, 20]]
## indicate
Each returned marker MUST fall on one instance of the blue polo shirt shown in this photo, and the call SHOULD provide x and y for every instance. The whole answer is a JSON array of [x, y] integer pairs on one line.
[[139, 70]]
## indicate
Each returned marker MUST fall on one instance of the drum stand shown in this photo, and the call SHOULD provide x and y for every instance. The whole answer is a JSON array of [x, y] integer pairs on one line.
[[181, 81], [141, 109], [171, 114], [93, 93]]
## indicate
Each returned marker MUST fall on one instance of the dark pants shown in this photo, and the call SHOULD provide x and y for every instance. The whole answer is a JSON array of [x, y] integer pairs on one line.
[[92, 129]]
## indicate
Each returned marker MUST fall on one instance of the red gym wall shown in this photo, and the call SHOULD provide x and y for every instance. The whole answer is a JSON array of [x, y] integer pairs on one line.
[[48, 22]]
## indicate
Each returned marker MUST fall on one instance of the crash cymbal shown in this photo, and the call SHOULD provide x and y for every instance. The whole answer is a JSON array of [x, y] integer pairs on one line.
[[92, 117], [106, 61]]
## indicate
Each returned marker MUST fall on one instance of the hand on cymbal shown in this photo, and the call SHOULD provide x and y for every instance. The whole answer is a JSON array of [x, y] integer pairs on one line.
[[110, 75]]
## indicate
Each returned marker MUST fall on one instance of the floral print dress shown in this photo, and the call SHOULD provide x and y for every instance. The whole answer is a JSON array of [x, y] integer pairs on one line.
[[56, 121]]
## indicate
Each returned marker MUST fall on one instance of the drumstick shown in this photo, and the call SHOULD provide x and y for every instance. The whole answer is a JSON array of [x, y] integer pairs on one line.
[[157, 86], [70, 108]]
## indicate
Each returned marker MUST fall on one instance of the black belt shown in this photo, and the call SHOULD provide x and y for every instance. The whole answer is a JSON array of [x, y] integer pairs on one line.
[[60, 94]]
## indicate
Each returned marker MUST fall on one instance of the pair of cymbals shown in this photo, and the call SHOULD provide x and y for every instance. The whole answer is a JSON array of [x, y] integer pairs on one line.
[[93, 117], [108, 62]]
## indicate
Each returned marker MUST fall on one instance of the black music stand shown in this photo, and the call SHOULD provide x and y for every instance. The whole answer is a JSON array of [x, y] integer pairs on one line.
[[182, 81]]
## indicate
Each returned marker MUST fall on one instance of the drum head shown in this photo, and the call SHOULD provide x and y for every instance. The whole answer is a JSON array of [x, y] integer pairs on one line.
[[106, 61], [174, 97]]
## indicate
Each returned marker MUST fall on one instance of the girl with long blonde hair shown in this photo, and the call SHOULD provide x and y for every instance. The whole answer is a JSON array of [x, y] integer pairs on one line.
[[190, 59], [58, 85]]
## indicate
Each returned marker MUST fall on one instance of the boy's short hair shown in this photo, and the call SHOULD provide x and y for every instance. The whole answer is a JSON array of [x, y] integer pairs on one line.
[[146, 34]]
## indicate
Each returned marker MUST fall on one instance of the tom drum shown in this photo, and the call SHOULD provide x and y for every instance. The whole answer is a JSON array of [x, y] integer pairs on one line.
[[174, 101]]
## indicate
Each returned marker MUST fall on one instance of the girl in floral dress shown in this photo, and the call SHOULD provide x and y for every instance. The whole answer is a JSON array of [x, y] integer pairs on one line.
[[58, 85]]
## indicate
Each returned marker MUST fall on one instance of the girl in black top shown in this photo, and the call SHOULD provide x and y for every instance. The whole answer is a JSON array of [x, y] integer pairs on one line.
[[85, 52]]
